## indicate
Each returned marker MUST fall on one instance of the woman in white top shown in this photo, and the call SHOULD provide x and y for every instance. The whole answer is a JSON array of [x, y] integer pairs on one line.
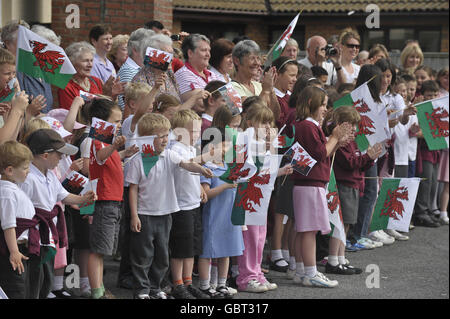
[[221, 61], [349, 44]]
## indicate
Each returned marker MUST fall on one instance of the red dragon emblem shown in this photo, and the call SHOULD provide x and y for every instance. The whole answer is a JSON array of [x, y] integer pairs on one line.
[[438, 127], [392, 206], [75, 184], [251, 193], [234, 97], [102, 133], [235, 170], [333, 201], [148, 150], [47, 58], [5, 92], [158, 60], [366, 124], [302, 162]]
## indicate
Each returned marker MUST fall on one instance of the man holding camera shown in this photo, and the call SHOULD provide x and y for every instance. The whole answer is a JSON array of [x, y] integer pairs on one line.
[[318, 52]]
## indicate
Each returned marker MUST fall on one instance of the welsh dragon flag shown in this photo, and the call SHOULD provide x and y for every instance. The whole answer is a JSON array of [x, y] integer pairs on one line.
[[239, 158], [282, 140], [39, 58], [7, 93], [395, 204], [373, 127], [334, 210], [252, 197], [433, 120], [278, 47], [147, 152]]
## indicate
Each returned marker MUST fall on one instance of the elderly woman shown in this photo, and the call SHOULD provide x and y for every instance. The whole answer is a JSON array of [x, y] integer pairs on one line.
[[149, 74], [81, 54], [194, 74], [119, 50], [221, 59], [349, 46], [39, 91], [291, 49], [134, 61], [246, 59], [411, 57]]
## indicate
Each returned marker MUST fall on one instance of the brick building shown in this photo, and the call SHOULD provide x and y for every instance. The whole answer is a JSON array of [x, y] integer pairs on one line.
[[261, 20], [265, 20]]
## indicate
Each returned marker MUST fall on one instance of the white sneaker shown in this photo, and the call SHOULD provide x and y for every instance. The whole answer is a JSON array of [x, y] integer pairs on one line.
[[290, 273], [396, 235], [232, 291], [383, 233], [255, 286], [319, 280], [269, 285], [381, 237], [298, 279], [375, 244], [366, 244], [443, 218]]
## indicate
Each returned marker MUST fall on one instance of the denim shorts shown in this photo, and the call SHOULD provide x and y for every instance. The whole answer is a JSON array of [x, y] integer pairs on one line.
[[101, 232]]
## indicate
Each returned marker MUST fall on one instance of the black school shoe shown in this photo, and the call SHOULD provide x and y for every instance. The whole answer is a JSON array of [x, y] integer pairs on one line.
[[181, 292], [61, 294], [339, 270], [213, 294], [197, 293], [273, 266], [355, 269], [425, 221]]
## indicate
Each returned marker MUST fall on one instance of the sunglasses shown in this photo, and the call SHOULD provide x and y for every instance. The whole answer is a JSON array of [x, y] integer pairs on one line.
[[353, 46]]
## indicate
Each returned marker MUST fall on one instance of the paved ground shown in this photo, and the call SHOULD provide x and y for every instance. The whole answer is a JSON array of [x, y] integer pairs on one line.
[[414, 269]]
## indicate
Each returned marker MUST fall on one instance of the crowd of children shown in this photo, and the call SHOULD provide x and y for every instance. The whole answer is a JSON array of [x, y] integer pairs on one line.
[[164, 222]]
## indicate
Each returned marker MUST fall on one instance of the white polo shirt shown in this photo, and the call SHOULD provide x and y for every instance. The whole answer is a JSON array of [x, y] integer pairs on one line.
[[14, 203], [156, 194], [187, 185], [44, 191]]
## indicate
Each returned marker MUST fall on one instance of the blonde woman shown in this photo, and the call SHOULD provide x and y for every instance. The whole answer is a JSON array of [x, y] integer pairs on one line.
[[119, 51], [411, 57]]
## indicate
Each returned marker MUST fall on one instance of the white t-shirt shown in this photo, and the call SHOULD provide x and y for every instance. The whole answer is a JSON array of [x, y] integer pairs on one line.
[[156, 194], [396, 103], [187, 185], [14, 203], [85, 146], [351, 78], [126, 131], [412, 145]]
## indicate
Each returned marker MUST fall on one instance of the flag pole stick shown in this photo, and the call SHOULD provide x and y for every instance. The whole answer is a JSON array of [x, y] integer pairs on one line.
[[379, 177]]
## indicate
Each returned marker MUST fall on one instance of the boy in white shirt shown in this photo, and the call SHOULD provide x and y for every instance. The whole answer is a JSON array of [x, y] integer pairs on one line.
[[139, 97], [152, 201], [16, 214], [45, 190], [186, 234]]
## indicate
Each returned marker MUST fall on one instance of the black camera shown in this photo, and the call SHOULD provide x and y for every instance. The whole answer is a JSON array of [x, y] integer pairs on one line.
[[330, 50], [175, 37]]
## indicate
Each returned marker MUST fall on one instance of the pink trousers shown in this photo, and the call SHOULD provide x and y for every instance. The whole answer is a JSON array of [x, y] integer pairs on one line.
[[250, 262]]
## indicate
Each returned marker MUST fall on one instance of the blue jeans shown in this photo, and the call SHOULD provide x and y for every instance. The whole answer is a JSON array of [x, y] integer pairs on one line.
[[366, 204]]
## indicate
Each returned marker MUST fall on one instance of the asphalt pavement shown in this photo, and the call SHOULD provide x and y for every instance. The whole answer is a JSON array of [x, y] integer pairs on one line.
[[413, 269]]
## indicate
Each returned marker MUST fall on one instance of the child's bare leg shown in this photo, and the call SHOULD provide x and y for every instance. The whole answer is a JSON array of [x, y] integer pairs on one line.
[[176, 268], [203, 272], [308, 252], [333, 251], [222, 269], [95, 273], [188, 266]]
